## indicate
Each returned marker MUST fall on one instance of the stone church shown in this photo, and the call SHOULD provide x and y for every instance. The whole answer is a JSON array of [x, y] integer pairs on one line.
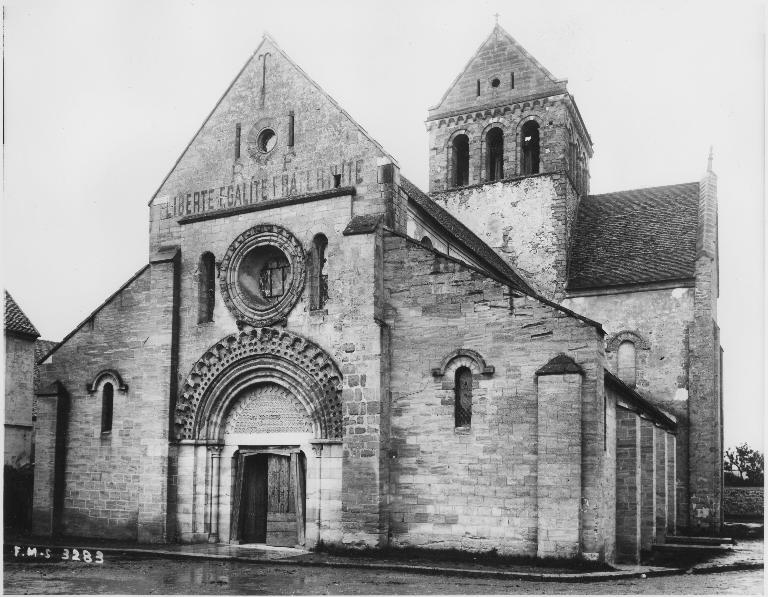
[[319, 352]]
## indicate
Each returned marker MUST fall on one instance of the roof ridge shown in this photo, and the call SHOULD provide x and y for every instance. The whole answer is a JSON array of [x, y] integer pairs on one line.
[[655, 188]]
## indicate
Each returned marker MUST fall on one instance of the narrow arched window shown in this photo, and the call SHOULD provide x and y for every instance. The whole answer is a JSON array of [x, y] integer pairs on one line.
[[427, 241], [460, 160], [494, 142], [463, 397], [318, 290], [530, 148], [627, 364], [107, 394], [206, 289]]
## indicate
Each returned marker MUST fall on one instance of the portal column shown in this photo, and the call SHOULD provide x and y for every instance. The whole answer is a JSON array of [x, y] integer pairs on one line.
[[215, 452]]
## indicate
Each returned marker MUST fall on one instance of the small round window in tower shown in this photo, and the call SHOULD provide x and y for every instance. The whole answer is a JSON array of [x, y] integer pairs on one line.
[[495, 83], [266, 141]]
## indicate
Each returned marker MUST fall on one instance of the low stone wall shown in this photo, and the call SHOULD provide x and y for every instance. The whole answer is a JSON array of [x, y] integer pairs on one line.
[[742, 502]]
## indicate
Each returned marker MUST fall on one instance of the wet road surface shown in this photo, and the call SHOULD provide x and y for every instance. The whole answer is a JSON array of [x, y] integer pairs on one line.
[[138, 575]]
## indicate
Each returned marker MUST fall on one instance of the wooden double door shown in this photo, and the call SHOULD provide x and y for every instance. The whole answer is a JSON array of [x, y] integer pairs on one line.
[[270, 493]]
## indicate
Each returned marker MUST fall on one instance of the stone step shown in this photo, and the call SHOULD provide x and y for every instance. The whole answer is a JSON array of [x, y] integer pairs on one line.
[[688, 540], [680, 555]]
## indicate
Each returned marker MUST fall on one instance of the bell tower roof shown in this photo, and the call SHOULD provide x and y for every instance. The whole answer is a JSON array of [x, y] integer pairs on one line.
[[501, 71]]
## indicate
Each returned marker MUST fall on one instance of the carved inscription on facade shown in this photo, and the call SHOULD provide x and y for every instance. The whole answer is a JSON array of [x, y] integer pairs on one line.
[[268, 408], [265, 187]]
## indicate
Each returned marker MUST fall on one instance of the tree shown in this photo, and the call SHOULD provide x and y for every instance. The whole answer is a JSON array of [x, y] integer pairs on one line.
[[745, 461]]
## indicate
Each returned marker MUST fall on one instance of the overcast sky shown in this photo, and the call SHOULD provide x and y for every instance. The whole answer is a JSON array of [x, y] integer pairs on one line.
[[101, 98]]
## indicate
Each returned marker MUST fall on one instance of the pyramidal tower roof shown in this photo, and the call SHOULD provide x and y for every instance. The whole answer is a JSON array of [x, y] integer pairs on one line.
[[500, 71]]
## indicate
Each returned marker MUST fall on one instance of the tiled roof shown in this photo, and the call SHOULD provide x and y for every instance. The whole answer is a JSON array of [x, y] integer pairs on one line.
[[466, 237], [15, 320], [560, 365], [363, 224], [638, 236]]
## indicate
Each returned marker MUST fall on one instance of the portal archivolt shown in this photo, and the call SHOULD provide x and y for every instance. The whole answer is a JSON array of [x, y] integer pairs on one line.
[[264, 357]]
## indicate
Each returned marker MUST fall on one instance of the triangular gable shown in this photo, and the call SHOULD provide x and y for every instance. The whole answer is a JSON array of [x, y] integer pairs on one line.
[[498, 56], [248, 75]]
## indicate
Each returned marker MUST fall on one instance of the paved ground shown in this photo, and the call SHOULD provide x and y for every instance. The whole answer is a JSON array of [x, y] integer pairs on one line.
[[108, 567], [148, 575]]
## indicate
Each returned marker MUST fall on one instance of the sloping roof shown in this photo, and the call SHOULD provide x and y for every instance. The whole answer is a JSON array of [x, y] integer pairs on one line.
[[466, 238], [633, 237], [15, 319], [639, 402], [56, 345]]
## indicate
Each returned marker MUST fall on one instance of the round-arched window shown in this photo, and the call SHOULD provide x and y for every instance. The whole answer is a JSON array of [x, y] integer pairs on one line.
[[627, 364]]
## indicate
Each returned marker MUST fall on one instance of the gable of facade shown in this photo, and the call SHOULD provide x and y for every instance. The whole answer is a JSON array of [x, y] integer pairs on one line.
[[275, 135]]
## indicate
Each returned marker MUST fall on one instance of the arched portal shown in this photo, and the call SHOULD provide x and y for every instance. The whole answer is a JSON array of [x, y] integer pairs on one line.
[[264, 430], [252, 420]]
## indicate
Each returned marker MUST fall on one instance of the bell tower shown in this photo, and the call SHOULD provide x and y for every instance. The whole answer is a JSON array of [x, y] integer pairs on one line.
[[509, 157], [506, 116]]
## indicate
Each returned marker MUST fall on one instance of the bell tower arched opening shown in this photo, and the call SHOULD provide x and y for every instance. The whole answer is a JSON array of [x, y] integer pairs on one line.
[[494, 142], [460, 161], [529, 148]]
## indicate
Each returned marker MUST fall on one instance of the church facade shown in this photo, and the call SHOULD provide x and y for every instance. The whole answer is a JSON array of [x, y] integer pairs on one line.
[[320, 352]]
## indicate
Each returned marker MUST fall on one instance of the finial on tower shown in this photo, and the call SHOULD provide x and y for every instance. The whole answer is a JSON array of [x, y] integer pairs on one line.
[[709, 162], [497, 15]]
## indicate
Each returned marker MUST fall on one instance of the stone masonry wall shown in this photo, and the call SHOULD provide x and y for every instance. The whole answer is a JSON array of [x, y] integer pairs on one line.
[[525, 221], [476, 488], [628, 486], [558, 465], [19, 392], [744, 502], [661, 318], [115, 482], [705, 403], [345, 328]]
